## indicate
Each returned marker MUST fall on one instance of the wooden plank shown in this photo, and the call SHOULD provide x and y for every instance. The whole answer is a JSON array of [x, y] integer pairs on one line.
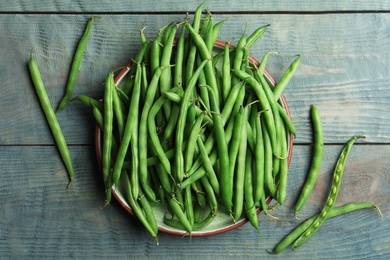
[[40, 218], [190, 6], [344, 71]]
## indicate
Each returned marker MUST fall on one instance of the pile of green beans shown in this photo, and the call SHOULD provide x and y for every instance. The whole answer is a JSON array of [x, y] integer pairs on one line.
[[195, 127]]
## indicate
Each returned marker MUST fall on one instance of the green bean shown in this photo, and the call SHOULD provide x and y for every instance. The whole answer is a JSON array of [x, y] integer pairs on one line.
[[166, 74], [347, 208], [286, 77], [189, 207], [171, 125], [212, 198], [256, 35], [192, 48], [238, 57], [231, 100], [216, 30], [174, 97], [51, 117], [337, 175], [283, 170], [239, 181], [143, 39], [118, 112], [191, 144], [260, 70], [155, 50], [210, 173], [259, 155], [203, 93], [316, 160], [287, 120], [108, 130], [226, 76], [178, 69], [148, 211], [76, 65], [228, 179], [224, 164], [143, 140], [268, 160], [154, 136], [248, 193], [206, 31], [179, 159]]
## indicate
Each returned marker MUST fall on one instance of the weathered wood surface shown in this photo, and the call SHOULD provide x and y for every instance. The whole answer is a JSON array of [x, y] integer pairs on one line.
[[41, 218], [189, 6], [345, 49]]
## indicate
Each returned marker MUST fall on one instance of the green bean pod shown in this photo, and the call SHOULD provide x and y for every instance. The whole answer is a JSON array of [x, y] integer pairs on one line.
[[51, 117], [239, 178], [316, 160], [76, 65], [347, 208], [337, 175], [286, 77], [108, 128]]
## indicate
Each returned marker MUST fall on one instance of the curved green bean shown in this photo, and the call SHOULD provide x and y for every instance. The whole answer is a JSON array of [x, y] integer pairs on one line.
[[316, 160], [337, 175]]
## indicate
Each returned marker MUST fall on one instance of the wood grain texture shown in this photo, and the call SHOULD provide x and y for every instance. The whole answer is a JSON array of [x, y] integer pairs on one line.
[[190, 6], [344, 72], [40, 218]]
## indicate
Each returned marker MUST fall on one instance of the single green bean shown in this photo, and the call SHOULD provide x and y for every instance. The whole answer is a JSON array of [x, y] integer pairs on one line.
[[256, 35], [259, 155], [210, 173], [154, 136], [250, 207], [51, 117], [239, 180], [191, 144], [316, 160], [229, 179], [76, 65], [108, 119], [269, 180], [283, 170], [224, 164], [286, 77]]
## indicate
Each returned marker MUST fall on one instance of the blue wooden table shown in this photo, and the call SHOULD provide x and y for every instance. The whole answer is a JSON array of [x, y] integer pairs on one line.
[[345, 72]]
